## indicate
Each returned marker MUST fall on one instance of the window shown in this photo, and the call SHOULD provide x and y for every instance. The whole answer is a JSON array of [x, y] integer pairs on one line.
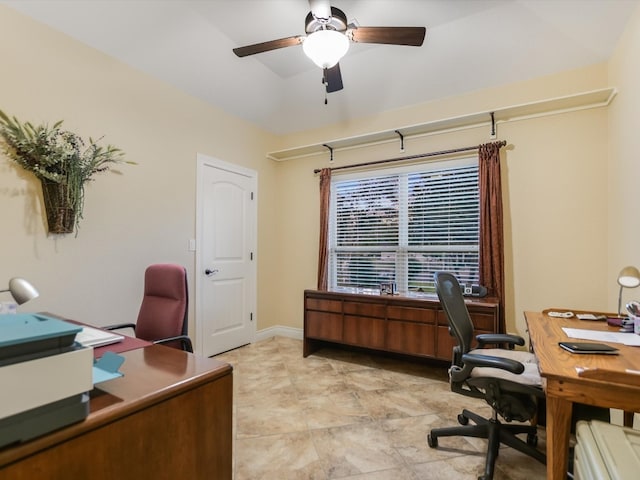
[[403, 225]]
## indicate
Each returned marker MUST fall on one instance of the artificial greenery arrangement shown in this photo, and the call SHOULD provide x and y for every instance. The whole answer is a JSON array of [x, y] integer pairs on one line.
[[61, 161]]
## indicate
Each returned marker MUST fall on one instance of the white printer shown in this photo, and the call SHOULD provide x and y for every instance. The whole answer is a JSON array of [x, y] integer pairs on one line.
[[45, 376]]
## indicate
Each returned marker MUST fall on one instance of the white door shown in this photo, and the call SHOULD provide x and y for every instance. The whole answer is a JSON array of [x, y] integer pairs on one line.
[[225, 256]]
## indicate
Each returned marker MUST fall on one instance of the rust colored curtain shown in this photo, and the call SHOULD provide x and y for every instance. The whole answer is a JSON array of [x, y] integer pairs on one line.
[[323, 247], [491, 218]]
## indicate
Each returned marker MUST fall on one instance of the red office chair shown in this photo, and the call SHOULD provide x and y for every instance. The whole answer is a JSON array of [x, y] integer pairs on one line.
[[163, 313]]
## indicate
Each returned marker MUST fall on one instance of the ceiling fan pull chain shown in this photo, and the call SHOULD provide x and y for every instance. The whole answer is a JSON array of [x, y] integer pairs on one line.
[[325, 80]]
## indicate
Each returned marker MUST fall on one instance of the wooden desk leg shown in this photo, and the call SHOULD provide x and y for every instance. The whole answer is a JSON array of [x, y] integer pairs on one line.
[[628, 419], [558, 433]]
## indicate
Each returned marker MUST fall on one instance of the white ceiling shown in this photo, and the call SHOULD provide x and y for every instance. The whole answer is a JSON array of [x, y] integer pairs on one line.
[[470, 45]]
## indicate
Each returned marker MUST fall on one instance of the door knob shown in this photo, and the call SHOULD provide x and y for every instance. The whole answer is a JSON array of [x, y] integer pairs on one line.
[[209, 272]]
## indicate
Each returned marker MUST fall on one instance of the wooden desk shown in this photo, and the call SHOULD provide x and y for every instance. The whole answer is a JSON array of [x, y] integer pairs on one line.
[[563, 384], [170, 416]]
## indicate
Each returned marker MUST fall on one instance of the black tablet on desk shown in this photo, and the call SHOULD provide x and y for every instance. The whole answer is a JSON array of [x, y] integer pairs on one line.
[[588, 347]]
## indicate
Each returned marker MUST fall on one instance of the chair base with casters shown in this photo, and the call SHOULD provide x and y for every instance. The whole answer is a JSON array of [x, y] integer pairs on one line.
[[496, 433]]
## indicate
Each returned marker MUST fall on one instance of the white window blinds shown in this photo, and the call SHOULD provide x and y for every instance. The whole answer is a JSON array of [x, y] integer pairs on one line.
[[403, 226]]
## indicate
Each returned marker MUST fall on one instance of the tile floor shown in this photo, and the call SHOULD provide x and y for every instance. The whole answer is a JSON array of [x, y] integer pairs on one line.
[[351, 416]]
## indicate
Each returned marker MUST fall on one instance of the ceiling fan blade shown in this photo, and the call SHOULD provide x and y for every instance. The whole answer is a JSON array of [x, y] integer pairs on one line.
[[412, 36], [333, 78], [320, 8], [267, 46]]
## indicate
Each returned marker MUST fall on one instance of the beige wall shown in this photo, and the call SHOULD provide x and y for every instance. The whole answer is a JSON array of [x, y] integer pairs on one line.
[[559, 212], [143, 216], [624, 161]]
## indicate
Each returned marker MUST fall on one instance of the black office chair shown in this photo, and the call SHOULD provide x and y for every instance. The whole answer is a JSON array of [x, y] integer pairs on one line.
[[508, 380]]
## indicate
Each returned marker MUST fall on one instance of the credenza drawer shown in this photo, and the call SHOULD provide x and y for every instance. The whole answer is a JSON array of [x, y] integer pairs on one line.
[[364, 331], [411, 314], [365, 309], [324, 305], [482, 321], [411, 338], [323, 325]]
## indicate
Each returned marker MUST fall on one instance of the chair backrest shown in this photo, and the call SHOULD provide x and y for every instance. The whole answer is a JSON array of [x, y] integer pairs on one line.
[[452, 302], [165, 304]]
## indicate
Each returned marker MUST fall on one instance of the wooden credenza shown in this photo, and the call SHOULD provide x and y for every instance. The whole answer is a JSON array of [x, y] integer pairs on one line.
[[391, 323], [169, 416]]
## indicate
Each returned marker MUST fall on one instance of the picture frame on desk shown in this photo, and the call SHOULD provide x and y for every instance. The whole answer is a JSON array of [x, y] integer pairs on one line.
[[388, 288]]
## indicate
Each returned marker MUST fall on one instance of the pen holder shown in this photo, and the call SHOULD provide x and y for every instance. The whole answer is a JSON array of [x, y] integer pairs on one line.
[[636, 324]]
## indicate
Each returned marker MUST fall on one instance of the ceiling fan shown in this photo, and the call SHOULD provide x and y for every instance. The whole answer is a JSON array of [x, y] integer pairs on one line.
[[327, 40]]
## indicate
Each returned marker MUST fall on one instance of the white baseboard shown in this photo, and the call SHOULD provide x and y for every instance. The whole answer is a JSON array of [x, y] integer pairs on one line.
[[279, 331]]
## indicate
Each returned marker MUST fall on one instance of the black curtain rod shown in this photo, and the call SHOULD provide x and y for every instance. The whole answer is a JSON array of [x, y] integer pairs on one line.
[[501, 143]]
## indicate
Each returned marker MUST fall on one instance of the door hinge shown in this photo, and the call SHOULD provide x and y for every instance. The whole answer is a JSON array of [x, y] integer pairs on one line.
[[251, 195], [251, 317], [251, 256]]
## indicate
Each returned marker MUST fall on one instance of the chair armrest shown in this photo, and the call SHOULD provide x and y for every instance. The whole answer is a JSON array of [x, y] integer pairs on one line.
[[476, 360], [461, 373], [185, 340], [498, 339], [120, 325]]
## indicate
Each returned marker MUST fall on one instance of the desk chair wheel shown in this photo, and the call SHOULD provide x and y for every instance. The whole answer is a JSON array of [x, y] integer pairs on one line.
[[432, 441], [462, 419], [532, 439]]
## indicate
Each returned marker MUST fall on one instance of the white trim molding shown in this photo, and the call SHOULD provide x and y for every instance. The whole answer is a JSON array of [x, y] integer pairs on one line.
[[279, 331], [490, 118]]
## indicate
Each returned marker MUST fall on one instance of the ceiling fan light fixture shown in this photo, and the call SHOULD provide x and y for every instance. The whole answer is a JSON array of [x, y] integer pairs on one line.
[[326, 47]]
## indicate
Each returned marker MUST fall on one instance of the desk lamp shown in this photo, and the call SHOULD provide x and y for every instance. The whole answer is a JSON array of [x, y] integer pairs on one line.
[[629, 277], [21, 290]]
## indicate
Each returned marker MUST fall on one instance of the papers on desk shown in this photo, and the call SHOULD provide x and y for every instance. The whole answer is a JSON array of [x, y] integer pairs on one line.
[[94, 337], [106, 368], [629, 339]]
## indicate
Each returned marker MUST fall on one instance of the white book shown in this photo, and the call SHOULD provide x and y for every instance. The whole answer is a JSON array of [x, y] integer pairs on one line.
[[95, 337]]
